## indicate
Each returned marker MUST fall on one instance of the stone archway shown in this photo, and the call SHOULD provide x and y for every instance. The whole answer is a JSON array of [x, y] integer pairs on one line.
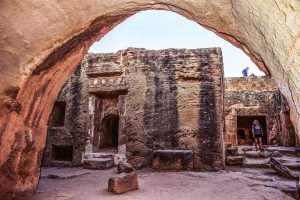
[[43, 41]]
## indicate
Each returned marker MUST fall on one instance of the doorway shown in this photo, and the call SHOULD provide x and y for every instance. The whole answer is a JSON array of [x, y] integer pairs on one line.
[[110, 132], [244, 127]]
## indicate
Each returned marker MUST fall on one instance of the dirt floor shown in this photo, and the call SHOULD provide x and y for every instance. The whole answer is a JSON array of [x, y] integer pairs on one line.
[[233, 183]]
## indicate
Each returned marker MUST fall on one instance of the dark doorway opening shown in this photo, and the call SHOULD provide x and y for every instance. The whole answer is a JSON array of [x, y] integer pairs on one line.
[[58, 114], [110, 132], [244, 123], [241, 134], [62, 152]]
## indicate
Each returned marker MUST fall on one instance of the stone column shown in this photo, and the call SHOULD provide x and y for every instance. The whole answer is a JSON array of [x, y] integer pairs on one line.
[[91, 114], [231, 128]]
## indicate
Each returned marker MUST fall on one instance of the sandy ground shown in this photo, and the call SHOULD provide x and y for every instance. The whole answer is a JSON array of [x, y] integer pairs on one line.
[[233, 183]]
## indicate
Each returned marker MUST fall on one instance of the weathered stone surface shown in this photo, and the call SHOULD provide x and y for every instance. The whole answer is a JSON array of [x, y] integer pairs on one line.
[[256, 163], [165, 99], [98, 163], [99, 155], [253, 183], [234, 160], [256, 98], [246, 149], [253, 154], [163, 160], [124, 167], [47, 53], [292, 162], [123, 182], [282, 170], [259, 154], [275, 153], [232, 150], [66, 176]]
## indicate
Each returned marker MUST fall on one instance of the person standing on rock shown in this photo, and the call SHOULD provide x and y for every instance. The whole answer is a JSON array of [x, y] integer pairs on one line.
[[245, 72], [257, 133]]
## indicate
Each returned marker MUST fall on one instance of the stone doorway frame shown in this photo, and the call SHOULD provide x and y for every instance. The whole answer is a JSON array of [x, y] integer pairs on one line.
[[266, 131]]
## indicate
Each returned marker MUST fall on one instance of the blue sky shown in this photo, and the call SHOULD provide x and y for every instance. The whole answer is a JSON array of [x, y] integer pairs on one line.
[[164, 29]]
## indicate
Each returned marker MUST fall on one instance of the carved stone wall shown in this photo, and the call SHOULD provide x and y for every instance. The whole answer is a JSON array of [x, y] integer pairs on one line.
[[38, 56], [73, 132], [166, 99], [257, 97]]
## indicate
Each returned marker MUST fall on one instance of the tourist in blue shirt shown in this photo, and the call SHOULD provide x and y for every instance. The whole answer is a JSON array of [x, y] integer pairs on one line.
[[257, 133], [245, 72]]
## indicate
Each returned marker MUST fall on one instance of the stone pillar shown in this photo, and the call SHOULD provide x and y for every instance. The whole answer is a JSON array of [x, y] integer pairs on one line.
[[122, 131], [91, 114], [231, 128]]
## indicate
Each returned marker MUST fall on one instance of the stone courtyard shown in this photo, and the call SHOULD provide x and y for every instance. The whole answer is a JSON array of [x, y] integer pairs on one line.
[[154, 109], [78, 183], [147, 124]]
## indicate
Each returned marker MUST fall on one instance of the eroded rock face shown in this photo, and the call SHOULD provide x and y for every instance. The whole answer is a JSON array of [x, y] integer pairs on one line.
[[247, 99], [165, 99], [172, 160], [36, 50]]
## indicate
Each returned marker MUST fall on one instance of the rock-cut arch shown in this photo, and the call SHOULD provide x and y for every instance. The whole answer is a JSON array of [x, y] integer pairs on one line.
[[43, 41]]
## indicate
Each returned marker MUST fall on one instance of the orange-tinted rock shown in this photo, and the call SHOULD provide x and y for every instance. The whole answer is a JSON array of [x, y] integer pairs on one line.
[[38, 56], [123, 182]]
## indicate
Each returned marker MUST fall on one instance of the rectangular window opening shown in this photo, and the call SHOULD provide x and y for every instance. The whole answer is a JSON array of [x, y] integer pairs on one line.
[[62, 153]]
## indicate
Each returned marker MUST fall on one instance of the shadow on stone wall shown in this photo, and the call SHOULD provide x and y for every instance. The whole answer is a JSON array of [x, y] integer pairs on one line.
[[160, 108], [210, 144]]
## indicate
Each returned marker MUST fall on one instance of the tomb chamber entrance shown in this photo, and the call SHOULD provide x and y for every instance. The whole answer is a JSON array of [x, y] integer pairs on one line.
[[244, 127], [110, 132]]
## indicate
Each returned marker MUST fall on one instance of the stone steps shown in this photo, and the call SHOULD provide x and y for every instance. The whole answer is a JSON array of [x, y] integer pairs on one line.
[[289, 151], [257, 159], [291, 162], [98, 163], [234, 160], [98, 155], [256, 163], [99, 160], [259, 154]]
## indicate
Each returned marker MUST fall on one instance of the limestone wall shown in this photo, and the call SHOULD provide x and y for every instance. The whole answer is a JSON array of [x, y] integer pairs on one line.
[[175, 101], [166, 99], [38, 56], [257, 96], [253, 83], [73, 131]]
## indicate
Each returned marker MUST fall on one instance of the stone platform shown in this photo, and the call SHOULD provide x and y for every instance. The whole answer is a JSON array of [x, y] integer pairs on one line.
[[98, 161], [173, 160]]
